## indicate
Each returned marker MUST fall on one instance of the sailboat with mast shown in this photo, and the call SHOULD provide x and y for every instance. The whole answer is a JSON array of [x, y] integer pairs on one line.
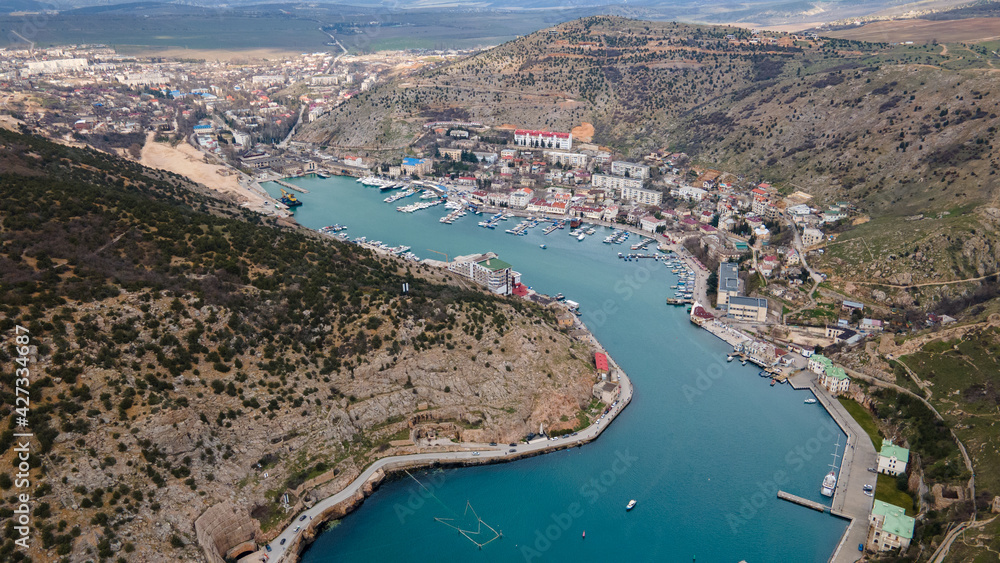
[[830, 481]]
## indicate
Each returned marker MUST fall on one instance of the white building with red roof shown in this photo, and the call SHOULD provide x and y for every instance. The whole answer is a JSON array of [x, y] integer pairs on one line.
[[543, 139]]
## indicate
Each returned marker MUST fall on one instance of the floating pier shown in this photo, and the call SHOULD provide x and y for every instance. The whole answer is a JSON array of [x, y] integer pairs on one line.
[[803, 501]]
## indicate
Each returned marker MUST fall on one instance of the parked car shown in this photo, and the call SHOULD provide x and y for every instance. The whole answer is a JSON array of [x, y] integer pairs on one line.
[[512, 450], [475, 453], [283, 540], [302, 518], [493, 443]]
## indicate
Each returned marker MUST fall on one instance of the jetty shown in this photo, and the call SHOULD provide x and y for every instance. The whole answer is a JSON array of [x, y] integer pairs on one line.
[[305, 526], [819, 507], [291, 186], [849, 500]]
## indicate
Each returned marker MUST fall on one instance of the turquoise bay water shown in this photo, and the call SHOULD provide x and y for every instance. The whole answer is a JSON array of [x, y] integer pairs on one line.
[[703, 447]]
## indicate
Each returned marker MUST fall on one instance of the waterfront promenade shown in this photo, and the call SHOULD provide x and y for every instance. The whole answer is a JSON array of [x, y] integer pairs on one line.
[[849, 500], [292, 541]]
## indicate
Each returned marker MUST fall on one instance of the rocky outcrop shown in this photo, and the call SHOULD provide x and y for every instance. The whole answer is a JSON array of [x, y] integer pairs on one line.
[[223, 527]]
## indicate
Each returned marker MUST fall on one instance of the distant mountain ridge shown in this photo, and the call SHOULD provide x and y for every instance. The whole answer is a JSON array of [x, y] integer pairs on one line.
[[752, 11]]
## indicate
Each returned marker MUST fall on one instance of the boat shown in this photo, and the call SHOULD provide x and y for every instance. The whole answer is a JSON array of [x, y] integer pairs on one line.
[[560, 297], [585, 534], [829, 484], [810, 401], [581, 236], [773, 381], [542, 246], [830, 481], [289, 199], [630, 505], [729, 358]]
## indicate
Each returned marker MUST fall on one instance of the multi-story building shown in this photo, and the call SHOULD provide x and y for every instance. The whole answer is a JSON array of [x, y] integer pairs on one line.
[[811, 236], [689, 193], [818, 364], [889, 527], [567, 158], [418, 166], [835, 380], [487, 270], [651, 223], [728, 285], [520, 198], [630, 169], [747, 309], [543, 139], [640, 195], [892, 459], [453, 154], [614, 182]]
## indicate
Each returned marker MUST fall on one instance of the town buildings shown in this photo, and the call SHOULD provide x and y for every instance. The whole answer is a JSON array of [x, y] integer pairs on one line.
[[889, 528], [728, 284], [616, 183], [747, 309], [629, 169], [418, 166], [892, 459], [543, 139]]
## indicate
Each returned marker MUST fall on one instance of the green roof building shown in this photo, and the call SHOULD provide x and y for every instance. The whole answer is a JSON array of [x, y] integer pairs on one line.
[[892, 459], [818, 364], [835, 379], [889, 527]]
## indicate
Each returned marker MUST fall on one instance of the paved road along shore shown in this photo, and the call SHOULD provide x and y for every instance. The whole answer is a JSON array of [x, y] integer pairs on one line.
[[286, 547]]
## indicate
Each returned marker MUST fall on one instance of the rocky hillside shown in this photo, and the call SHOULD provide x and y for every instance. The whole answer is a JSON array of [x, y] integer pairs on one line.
[[896, 127], [185, 352]]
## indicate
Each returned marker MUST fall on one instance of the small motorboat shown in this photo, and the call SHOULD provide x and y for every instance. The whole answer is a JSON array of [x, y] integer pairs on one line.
[[585, 534], [630, 505], [542, 246], [773, 382], [810, 401]]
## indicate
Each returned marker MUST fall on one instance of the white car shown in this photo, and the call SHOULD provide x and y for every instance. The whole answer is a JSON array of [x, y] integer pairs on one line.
[[475, 453]]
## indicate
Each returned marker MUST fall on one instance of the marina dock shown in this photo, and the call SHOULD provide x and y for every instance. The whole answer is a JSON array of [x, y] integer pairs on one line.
[[819, 507], [291, 186], [849, 500]]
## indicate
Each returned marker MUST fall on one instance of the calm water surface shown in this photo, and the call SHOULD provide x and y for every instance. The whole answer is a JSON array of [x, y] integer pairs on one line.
[[702, 448]]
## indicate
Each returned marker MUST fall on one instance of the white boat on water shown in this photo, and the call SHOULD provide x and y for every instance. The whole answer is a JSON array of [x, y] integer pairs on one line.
[[830, 481], [810, 401], [630, 505], [829, 484], [581, 236]]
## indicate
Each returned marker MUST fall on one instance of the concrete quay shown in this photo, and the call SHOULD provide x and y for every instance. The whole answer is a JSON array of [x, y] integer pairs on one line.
[[849, 500], [819, 507], [724, 332]]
